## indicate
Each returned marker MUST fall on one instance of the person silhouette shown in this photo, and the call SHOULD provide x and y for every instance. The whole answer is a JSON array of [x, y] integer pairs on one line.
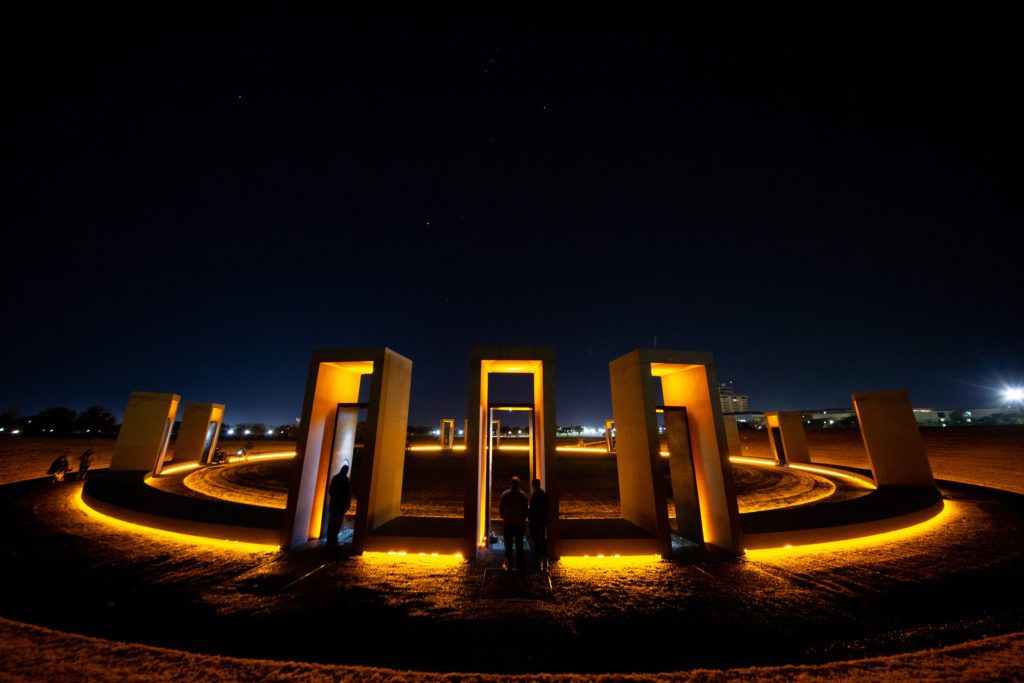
[[340, 492], [538, 517], [513, 508], [84, 462], [59, 467]]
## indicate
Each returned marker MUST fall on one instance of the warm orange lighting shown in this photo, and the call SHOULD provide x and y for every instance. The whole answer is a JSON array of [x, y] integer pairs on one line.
[[178, 468], [262, 456], [131, 527], [404, 557], [905, 534], [514, 366], [664, 369], [435, 448], [764, 462], [359, 367], [857, 479], [582, 449], [608, 562], [864, 482]]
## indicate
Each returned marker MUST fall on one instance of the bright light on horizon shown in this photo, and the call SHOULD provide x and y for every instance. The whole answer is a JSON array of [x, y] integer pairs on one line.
[[1013, 394]]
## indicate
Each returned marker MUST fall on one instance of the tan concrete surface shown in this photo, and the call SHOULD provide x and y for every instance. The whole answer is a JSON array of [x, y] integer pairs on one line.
[[145, 431]]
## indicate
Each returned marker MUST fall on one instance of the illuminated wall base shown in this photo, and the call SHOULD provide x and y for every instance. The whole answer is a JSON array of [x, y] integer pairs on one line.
[[188, 531], [610, 547], [414, 545], [846, 532]]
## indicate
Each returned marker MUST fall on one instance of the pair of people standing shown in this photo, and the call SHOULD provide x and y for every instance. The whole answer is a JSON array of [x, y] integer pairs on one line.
[[515, 509]]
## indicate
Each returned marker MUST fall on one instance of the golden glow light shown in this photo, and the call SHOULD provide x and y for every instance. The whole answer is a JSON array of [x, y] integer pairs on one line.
[[179, 468], [949, 509], [857, 479], [582, 449], [262, 456], [864, 482], [423, 559], [188, 466], [131, 527], [599, 561]]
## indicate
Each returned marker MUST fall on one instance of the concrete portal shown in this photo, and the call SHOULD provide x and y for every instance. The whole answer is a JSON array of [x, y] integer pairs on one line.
[[495, 431], [536, 361], [145, 430], [684, 475], [687, 381], [732, 435], [326, 438], [787, 437], [199, 432], [892, 439], [447, 436]]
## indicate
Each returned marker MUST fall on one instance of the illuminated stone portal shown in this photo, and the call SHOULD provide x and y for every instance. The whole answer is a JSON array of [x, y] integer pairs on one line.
[[199, 432], [892, 439], [327, 440], [787, 438], [480, 447], [446, 435], [145, 430], [698, 461]]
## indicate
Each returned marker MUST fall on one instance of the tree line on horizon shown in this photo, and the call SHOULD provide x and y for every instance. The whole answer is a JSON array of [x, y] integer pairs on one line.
[[97, 421]]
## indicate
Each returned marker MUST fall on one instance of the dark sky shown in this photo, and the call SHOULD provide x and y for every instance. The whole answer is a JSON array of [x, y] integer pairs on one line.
[[826, 196]]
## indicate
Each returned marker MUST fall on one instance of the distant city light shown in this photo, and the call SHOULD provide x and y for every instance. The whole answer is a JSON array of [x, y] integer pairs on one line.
[[460, 432], [15, 431], [246, 432], [270, 432], [231, 432], [1014, 395]]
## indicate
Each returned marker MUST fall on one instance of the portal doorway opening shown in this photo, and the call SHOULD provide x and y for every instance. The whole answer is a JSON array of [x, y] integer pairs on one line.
[[513, 386], [516, 456], [347, 441], [210, 442], [684, 504], [780, 447]]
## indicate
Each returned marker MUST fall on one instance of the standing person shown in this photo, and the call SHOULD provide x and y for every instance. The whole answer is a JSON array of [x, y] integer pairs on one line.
[[513, 508], [84, 462], [538, 516], [340, 491]]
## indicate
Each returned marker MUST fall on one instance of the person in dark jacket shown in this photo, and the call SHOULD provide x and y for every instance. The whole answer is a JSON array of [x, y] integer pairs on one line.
[[84, 463], [538, 517], [340, 492], [513, 508]]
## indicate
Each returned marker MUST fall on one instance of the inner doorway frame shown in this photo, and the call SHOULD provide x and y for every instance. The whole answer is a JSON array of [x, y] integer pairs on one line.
[[494, 444], [536, 361]]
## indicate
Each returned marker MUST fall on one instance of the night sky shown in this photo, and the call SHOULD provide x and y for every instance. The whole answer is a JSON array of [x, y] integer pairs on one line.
[[825, 196]]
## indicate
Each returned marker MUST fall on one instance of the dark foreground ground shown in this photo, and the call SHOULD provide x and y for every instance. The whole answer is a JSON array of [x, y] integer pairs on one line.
[[955, 583]]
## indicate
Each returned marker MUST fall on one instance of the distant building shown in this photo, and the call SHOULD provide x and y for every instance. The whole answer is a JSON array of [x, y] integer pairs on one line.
[[828, 417], [755, 420], [731, 401], [995, 416]]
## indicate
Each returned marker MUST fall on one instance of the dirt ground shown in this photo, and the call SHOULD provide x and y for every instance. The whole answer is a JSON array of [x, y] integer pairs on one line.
[[948, 587]]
